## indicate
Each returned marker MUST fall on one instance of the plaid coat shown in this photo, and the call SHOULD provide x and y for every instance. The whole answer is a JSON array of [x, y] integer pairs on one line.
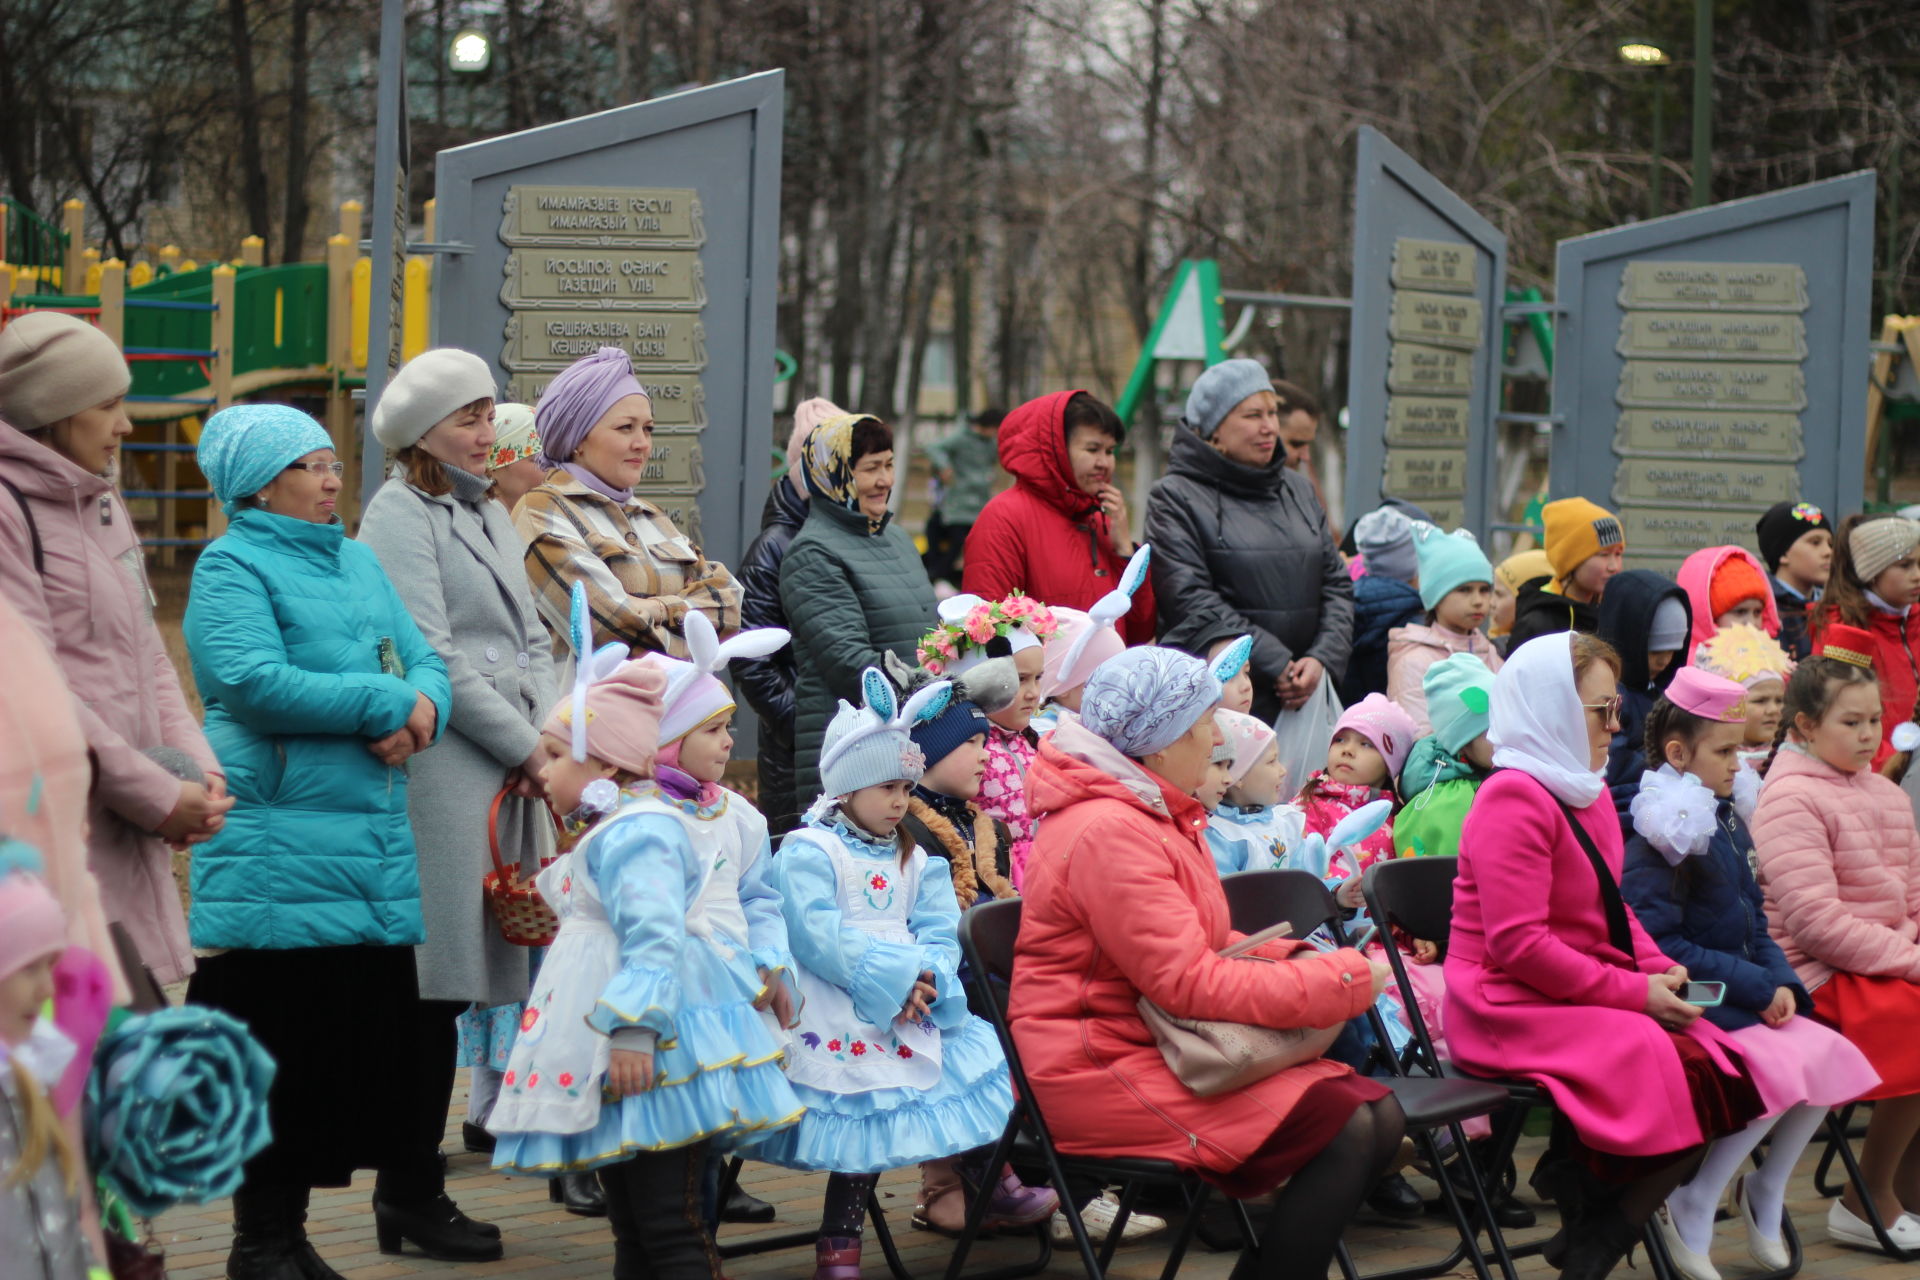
[[642, 575]]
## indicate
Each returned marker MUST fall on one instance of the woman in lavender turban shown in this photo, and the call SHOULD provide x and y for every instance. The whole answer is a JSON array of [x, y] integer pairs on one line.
[[587, 524]]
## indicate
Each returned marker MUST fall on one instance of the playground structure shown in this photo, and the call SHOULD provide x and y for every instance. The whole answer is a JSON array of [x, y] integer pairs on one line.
[[201, 337]]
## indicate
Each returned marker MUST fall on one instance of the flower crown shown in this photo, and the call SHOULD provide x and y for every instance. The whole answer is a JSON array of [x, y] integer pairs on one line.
[[980, 626]]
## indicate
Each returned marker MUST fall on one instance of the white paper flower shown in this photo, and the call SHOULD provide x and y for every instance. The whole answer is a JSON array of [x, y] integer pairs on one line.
[[1675, 812], [1746, 792], [601, 796], [1906, 736]]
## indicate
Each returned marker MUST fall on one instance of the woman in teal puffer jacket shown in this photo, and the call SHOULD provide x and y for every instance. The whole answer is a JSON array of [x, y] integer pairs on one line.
[[317, 686]]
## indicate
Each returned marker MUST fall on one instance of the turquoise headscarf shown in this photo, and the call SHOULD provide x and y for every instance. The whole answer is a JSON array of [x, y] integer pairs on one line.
[[243, 448]]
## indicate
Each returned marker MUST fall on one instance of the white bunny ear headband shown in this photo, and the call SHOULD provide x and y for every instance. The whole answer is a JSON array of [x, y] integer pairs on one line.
[[694, 693], [589, 667], [1106, 613], [884, 712]]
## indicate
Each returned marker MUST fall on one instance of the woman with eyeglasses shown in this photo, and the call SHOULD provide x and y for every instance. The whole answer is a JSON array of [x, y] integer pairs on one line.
[[70, 563], [1551, 978], [319, 687]]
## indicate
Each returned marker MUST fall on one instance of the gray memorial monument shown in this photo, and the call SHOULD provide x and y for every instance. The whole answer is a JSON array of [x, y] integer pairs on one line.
[[1715, 362], [653, 227]]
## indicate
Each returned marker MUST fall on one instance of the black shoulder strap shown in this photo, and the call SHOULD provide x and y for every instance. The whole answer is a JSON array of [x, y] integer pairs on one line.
[[1610, 902], [33, 529]]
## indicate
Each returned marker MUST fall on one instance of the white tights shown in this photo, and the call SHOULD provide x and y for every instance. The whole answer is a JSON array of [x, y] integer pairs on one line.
[[1694, 1204]]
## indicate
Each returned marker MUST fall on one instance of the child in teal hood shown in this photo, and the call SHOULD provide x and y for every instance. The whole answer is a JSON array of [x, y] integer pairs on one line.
[[1447, 767]]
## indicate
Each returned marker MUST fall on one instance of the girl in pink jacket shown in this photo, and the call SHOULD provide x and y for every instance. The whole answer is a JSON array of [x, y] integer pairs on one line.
[[1840, 863]]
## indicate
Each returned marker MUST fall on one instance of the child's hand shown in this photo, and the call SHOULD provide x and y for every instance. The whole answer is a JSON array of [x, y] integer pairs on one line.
[[1425, 952], [776, 996], [1784, 1006], [920, 1004], [629, 1073], [1348, 894]]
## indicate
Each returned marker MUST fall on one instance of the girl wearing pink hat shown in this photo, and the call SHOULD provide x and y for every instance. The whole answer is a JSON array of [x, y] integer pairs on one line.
[[1688, 880], [642, 1047], [1370, 744]]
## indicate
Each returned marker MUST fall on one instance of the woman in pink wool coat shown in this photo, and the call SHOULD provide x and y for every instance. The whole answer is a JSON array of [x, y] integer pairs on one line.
[[1550, 977], [1116, 791], [1840, 865]]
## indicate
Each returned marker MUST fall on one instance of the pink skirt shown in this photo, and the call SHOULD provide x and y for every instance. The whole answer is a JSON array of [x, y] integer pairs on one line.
[[1804, 1061]]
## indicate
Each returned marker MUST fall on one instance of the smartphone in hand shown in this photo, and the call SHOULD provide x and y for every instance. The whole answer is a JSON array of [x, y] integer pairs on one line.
[[1707, 995]]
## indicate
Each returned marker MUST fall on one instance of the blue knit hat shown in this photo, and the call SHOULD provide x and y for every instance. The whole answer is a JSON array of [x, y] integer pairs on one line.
[[1459, 691], [243, 448], [871, 745], [1216, 391], [939, 736], [1447, 561]]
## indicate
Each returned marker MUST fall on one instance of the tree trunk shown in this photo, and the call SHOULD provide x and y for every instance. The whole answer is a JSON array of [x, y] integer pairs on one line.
[[246, 104], [293, 231]]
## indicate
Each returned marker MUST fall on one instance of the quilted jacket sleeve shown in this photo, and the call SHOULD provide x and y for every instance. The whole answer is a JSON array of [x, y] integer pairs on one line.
[[1797, 857], [766, 683], [836, 641]]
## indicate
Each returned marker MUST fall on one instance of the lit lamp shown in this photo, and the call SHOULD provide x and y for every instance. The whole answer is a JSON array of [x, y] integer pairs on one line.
[[1645, 53], [469, 52]]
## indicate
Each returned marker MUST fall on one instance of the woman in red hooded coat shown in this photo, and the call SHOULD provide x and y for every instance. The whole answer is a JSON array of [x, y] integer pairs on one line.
[[1116, 788], [1061, 534]]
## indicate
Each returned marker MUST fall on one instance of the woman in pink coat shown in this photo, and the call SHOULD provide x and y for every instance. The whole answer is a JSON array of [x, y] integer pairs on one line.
[[1840, 863], [70, 562], [1122, 901], [1563, 986]]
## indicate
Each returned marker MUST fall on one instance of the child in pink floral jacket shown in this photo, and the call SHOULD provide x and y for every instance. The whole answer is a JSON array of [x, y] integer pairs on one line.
[[972, 631], [1370, 744]]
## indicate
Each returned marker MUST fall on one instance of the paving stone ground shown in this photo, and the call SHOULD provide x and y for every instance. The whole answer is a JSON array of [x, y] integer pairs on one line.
[[543, 1242]]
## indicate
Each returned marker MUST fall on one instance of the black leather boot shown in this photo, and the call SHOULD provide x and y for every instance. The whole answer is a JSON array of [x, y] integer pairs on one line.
[[437, 1228], [263, 1236], [653, 1201], [1596, 1245], [475, 1138], [312, 1265], [741, 1207], [1395, 1197], [578, 1193]]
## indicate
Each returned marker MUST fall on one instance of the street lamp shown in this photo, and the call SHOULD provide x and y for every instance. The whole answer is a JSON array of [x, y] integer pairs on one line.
[[1646, 53], [469, 52]]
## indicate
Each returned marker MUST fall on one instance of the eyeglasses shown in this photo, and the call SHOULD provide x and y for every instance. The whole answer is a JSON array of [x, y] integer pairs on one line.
[[319, 468], [1609, 710]]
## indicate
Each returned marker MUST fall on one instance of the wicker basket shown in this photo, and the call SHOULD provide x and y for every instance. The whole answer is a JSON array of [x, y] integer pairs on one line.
[[523, 915]]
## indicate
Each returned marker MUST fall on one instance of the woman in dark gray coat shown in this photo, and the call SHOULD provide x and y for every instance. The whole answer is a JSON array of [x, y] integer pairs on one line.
[[1241, 545], [852, 582]]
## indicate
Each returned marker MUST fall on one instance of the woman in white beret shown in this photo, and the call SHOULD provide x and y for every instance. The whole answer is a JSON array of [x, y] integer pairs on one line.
[[453, 555]]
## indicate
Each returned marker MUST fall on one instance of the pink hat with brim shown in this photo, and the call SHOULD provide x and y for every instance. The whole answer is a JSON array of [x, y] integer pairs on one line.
[[1382, 722], [1708, 696], [32, 926], [1248, 736]]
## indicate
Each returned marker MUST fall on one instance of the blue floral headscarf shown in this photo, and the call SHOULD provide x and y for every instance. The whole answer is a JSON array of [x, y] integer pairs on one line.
[[1141, 700]]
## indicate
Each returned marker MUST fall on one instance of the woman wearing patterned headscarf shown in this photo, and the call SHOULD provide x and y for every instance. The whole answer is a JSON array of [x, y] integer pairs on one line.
[[1116, 791], [586, 524], [852, 581]]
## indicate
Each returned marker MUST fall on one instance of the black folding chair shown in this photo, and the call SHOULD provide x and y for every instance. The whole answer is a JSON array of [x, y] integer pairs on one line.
[[1260, 899], [987, 933], [1416, 895]]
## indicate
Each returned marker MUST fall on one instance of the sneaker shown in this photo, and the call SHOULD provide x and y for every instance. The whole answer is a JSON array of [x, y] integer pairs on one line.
[[1014, 1204], [1098, 1218], [1847, 1229]]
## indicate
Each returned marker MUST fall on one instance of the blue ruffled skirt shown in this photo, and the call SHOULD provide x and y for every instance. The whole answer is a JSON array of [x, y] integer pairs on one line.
[[717, 1064], [890, 1128]]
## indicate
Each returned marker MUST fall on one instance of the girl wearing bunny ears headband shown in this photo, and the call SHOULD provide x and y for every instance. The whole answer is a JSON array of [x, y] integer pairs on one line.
[[868, 760], [696, 739], [1085, 640]]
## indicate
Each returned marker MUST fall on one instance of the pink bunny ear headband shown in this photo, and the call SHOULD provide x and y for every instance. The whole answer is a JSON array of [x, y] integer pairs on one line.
[[695, 694], [1106, 614]]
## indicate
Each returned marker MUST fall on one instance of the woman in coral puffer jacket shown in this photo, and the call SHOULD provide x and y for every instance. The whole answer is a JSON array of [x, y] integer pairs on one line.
[[1116, 788], [1062, 533]]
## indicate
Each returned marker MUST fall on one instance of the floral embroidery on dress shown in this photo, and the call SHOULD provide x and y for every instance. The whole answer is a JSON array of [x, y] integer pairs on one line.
[[878, 891], [845, 1048]]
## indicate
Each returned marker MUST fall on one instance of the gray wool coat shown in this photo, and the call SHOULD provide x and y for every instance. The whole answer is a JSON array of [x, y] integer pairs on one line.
[[457, 566]]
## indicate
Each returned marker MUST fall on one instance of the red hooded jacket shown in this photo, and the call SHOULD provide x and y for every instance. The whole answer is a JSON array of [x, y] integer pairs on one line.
[[1044, 536]]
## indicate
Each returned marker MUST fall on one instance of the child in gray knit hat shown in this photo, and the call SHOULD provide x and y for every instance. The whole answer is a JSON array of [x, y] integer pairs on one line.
[[892, 1067]]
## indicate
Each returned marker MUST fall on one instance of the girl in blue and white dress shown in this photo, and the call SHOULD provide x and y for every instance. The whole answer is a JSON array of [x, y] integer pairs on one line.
[[892, 1067], [641, 1048]]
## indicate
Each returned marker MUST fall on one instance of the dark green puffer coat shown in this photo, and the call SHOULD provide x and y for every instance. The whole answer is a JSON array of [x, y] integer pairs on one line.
[[850, 595]]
